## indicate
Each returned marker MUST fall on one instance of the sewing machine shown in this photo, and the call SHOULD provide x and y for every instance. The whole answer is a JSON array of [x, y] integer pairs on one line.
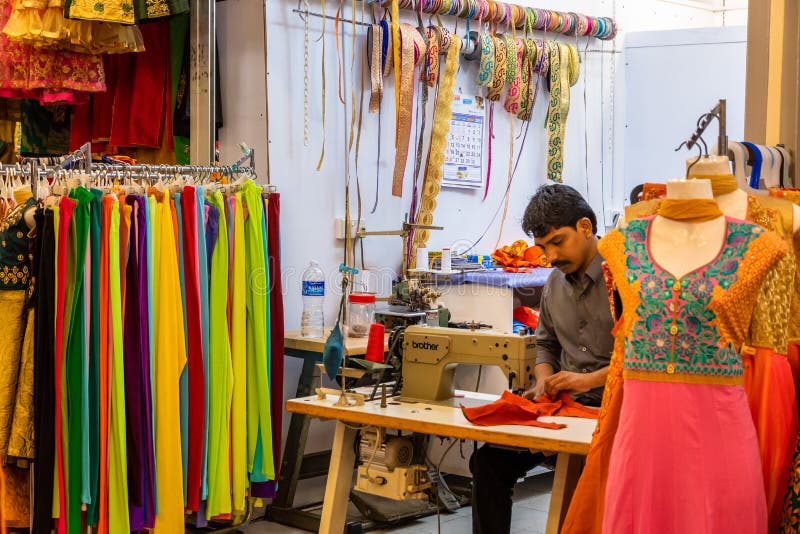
[[430, 357]]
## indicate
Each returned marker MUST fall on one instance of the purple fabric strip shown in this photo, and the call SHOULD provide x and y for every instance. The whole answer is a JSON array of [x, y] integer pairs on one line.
[[146, 393], [133, 378]]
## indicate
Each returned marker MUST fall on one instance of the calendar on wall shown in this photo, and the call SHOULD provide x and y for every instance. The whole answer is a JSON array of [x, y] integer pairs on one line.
[[463, 160]]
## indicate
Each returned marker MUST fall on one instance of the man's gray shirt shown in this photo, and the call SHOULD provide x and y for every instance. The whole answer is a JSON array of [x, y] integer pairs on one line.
[[575, 323]]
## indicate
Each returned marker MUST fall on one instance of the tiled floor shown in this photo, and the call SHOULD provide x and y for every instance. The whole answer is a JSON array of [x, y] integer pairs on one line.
[[531, 502]]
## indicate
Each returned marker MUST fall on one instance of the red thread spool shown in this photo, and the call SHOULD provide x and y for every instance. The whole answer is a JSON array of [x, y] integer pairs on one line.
[[375, 344]]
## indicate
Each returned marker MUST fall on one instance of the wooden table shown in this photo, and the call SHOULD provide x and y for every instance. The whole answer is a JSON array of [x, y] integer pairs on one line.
[[571, 444], [295, 342], [296, 465]]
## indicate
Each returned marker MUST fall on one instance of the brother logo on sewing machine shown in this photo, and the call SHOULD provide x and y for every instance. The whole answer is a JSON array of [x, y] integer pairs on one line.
[[427, 348]]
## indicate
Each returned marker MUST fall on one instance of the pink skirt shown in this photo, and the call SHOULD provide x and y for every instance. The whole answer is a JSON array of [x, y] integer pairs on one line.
[[685, 460]]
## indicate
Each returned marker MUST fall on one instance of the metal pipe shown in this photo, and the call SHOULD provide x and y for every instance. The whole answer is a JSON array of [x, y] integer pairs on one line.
[[266, 86], [301, 13], [722, 142], [202, 77]]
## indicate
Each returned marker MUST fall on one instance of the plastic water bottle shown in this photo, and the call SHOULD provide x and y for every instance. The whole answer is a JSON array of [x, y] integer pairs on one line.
[[312, 324]]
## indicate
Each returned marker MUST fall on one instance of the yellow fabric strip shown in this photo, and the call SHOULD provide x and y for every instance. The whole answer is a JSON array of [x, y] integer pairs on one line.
[[441, 128], [396, 62], [514, 90], [721, 184], [374, 39], [564, 71], [683, 378], [689, 210], [500, 68], [411, 43]]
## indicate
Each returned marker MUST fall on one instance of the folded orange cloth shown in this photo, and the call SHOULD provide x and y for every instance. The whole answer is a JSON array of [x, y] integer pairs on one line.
[[511, 409], [519, 254], [652, 191]]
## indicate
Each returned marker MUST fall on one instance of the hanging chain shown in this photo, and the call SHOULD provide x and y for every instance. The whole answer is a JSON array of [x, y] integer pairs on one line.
[[305, 75]]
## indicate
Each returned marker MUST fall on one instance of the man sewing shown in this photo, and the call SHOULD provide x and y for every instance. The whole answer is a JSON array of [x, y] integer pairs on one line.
[[573, 339]]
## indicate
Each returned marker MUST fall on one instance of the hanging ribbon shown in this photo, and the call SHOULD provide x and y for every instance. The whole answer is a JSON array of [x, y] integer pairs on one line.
[[511, 58], [396, 60], [755, 175], [500, 66], [525, 106], [413, 49], [374, 47], [435, 166], [489, 163], [564, 71], [386, 61], [431, 72], [387, 51], [513, 96], [486, 69]]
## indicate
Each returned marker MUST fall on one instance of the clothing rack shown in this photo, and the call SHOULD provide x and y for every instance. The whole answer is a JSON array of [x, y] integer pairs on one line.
[[33, 167]]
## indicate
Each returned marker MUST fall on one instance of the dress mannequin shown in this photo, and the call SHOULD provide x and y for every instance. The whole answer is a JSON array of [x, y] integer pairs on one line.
[[681, 247], [734, 204]]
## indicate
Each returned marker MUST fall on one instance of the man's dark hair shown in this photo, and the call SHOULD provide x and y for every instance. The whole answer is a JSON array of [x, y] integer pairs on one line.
[[556, 206]]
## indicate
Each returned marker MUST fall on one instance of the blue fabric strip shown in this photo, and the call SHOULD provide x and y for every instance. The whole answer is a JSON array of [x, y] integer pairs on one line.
[[755, 175]]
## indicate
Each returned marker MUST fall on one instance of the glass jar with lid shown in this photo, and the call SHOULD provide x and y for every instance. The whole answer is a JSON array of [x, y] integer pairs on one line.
[[360, 314]]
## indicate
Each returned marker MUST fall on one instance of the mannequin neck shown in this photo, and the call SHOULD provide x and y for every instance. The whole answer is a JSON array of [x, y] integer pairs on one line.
[[708, 165], [689, 189]]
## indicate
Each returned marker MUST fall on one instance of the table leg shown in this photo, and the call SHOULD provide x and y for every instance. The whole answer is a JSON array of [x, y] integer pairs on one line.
[[297, 436], [568, 470], [340, 480]]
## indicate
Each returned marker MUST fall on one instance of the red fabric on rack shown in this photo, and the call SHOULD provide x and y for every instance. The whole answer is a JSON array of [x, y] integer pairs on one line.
[[511, 409], [66, 206], [276, 324], [195, 346]]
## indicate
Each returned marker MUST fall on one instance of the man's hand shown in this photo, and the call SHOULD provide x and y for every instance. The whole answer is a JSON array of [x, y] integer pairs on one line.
[[568, 381], [535, 391], [540, 372]]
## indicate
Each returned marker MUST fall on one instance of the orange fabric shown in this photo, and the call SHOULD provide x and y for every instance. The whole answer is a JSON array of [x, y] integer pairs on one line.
[[651, 191], [16, 497], [519, 254], [690, 210], [771, 396], [511, 409], [585, 513]]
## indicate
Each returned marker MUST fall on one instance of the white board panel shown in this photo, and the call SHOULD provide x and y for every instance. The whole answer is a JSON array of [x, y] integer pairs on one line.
[[671, 78]]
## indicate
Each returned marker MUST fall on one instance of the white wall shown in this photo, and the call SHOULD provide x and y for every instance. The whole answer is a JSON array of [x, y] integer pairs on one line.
[[594, 154], [671, 78]]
